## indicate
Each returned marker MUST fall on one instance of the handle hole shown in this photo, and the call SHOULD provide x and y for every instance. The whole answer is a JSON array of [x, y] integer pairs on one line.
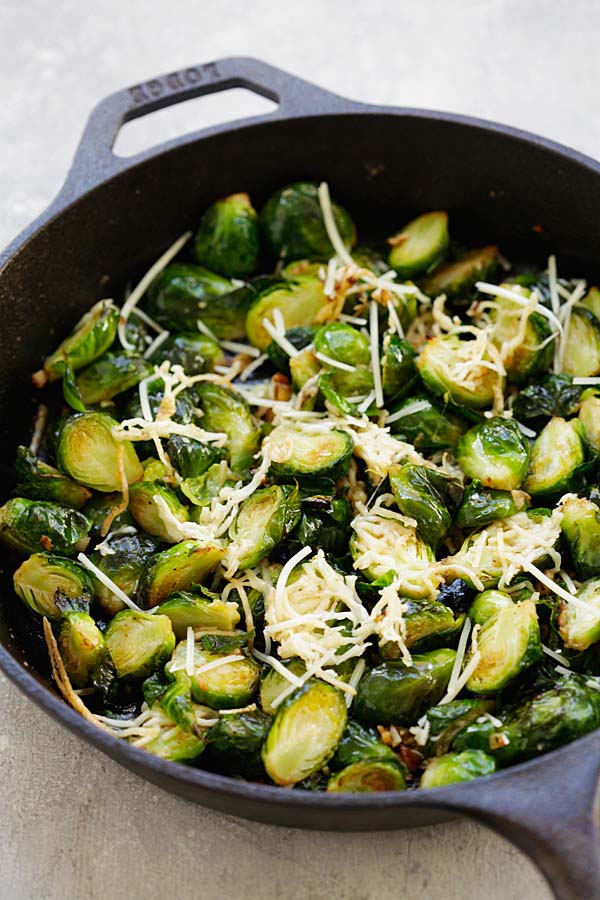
[[190, 115]]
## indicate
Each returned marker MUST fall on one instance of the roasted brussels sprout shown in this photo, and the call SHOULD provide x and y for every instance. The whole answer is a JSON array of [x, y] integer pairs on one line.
[[428, 625], [366, 776], [177, 569], [146, 499], [89, 452], [187, 610], [458, 278], [555, 395], [428, 496], [509, 644], [91, 337], [457, 369], [300, 302], [45, 580], [236, 742], [293, 225], [589, 417], [579, 620], [453, 768], [263, 520], [457, 595], [225, 411], [398, 370], [139, 643], [299, 337], [481, 506], [196, 353], [495, 453], [228, 238], [420, 246], [305, 732], [192, 458], [273, 684], [30, 525], [202, 490], [106, 511], [173, 742], [359, 743], [426, 425], [487, 603], [581, 528], [123, 564], [299, 454], [556, 456], [39, 481], [230, 684], [393, 692], [82, 646], [448, 719], [581, 354], [110, 375], [343, 343], [323, 525], [528, 346]]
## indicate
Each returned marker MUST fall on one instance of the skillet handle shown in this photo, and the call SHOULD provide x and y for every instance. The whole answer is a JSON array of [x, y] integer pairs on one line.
[[549, 812], [95, 161]]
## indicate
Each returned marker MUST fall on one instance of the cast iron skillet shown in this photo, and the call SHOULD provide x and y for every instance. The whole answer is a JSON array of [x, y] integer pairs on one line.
[[114, 215]]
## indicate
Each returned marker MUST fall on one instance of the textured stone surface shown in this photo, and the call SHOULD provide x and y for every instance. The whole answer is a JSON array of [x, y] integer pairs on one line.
[[75, 825]]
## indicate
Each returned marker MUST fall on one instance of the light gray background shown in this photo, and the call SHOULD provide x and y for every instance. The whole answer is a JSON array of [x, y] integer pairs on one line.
[[73, 824]]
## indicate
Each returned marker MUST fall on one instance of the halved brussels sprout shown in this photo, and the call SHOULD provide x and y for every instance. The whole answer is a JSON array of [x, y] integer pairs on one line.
[[225, 411], [398, 370], [303, 367], [509, 643], [183, 294], [459, 277], [589, 417], [579, 621], [299, 337], [581, 355], [123, 564], [428, 496], [39, 481], [367, 776], [263, 520], [139, 643], [273, 684], [555, 458], [359, 743], [293, 225], [196, 353], [300, 302], [531, 347], [100, 511], [186, 610], [481, 506], [192, 458], [448, 719], [343, 343], [231, 685], [91, 337], [495, 453], [146, 510], [110, 375], [82, 646], [429, 625], [173, 742], [228, 238], [591, 301], [555, 395], [419, 246], [453, 768], [45, 578], [336, 386], [177, 569], [323, 524], [487, 603], [236, 742], [30, 525], [89, 452], [202, 490], [394, 693], [426, 425], [581, 528], [305, 732], [298, 454], [457, 370]]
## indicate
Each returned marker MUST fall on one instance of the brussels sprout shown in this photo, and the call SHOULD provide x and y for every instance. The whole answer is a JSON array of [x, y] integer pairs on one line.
[[176, 699], [358, 744], [581, 528], [192, 458], [369, 258], [39, 481], [299, 337], [495, 453], [419, 246], [146, 509], [302, 268], [139, 643], [448, 719], [556, 395], [343, 343], [45, 578], [528, 351], [367, 776], [30, 525], [581, 354], [427, 426], [458, 278], [293, 224], [263, 520], [487, 603], [509, 643], [398, 371], [481, 506], [453, 768], [183, 294], [178, 569], [202, 490], [225, 411], [589, 417], [273, 684], [299, 454], [303, 367], [185, 404], [443, 362], [336, 385], [236, 742], [123, 564], [101, 510], [387, 549], [82, 646], [300, 302], [228, 239], [110, 375], [228, 686], [196, 353], [591, 301], [579, 621], [174, 743], [90, 453], [393, 692], [305, 732], [428, 625], [91, 337], [428, 496], [323, 525], [556, 456], [186, 610], [457, 594]]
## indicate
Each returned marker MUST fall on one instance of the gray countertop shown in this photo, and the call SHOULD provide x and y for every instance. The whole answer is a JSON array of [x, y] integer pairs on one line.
[[74, 824]]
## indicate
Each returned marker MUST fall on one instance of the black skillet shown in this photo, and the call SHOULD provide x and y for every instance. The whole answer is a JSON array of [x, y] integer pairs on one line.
[[114, 215]]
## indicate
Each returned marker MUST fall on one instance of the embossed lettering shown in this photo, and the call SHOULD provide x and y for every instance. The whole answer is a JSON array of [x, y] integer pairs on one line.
[[137, 93], [192, 76], [211, 70], [155, 88], [174, 82]]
